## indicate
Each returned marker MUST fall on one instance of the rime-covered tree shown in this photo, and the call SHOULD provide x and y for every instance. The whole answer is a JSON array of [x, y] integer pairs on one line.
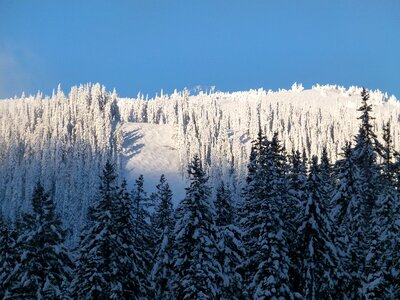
[[319, 260], [195, 261], [230, 247], [162, 273], [44, 268]]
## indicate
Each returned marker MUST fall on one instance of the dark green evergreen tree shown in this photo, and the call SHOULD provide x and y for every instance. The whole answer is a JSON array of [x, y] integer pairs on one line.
[[319, 260], [195, 260], [230, 247], [44, 268], [8, 254], [162, 273], [109, 265]]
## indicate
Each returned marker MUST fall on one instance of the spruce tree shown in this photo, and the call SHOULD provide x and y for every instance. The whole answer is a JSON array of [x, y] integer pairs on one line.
[[163, 216], [254, 195], [297, 195], [271, 279], [364, 157], [195, 260], [319, 260], [144, 236], [327, 178], [108, 264], [383, 259], [162, 273], [44, 268], [347, 218], [8, 254], [230, 247]]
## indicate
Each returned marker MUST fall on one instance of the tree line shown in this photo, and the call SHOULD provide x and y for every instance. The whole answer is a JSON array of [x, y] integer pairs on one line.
[[304, 229]]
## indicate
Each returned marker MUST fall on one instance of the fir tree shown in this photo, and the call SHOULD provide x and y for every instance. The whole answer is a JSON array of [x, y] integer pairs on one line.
[[195, 261], [230, 248], [44, 269]]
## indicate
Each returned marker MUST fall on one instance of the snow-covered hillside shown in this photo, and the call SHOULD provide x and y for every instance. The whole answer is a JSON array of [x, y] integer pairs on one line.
[[151, 150], [64, 140]]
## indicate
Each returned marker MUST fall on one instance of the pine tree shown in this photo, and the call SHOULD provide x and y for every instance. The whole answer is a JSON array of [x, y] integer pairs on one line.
[[195, 260], [230, 247], [44, 269], [162, 273], [319, 260]]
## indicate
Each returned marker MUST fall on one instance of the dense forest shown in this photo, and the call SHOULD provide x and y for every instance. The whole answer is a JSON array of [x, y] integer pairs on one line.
[[301, 227], [65, 139]]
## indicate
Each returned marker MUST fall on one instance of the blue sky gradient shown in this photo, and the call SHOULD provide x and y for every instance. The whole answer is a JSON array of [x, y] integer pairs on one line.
[[145, 46]]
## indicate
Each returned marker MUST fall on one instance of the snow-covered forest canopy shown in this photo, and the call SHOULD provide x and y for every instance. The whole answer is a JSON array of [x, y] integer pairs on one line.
[[287, 195], [63, 140]]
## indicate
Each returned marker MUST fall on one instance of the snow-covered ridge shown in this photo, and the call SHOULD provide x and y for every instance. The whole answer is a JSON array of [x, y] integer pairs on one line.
[[64, 140]]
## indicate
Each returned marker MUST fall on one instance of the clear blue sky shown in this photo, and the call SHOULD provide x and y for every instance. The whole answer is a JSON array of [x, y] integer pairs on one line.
[[151, 45]]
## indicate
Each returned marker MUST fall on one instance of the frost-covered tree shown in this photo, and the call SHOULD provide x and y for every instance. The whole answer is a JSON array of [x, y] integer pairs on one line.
[[230, 247], [44, 268], [320, 267], [195, 261]]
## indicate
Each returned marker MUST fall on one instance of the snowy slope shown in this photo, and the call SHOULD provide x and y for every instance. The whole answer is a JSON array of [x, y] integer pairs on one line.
[[151, 150]]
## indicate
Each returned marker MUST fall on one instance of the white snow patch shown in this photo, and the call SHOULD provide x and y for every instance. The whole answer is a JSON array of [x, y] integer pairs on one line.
[[151, 150]]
